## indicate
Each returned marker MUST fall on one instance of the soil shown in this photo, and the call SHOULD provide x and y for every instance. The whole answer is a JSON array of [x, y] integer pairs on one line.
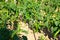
[[30, 35]]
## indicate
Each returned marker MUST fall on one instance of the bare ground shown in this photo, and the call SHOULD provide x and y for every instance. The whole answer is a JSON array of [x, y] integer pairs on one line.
[[30, 35]]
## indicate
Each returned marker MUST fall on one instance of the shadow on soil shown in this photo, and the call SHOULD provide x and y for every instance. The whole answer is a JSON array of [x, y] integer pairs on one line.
[[5, 34]]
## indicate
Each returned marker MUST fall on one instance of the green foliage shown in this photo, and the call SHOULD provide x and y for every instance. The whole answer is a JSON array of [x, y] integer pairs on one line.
[[8, 12], [39, 14]]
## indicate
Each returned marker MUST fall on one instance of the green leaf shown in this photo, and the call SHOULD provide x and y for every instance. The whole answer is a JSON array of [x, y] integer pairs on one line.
[[55, 34], [56, 23]]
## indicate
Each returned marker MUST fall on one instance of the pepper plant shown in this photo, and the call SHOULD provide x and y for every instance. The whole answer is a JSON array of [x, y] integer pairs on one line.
[[40, 14], [9, 13]]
